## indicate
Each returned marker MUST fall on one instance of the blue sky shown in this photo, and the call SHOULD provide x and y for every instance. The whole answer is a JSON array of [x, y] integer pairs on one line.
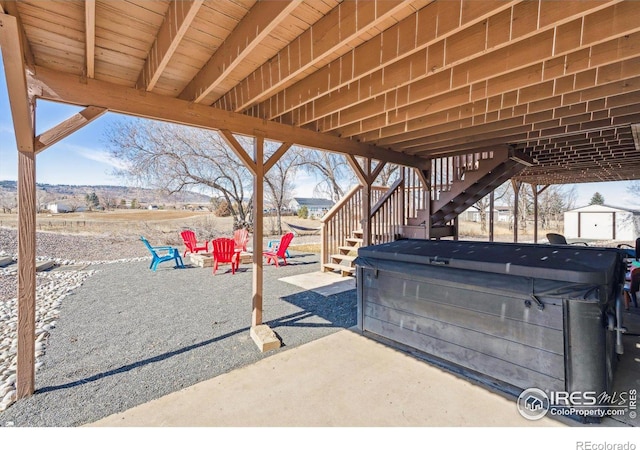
[[82, 158]]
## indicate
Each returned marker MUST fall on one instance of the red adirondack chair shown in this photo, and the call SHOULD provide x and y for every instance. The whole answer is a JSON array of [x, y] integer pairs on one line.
[[190, 241], [241, 238], [280, 251], [224, 251]]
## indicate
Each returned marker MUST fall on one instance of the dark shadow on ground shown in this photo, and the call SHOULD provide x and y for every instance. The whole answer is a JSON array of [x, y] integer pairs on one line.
[[339, 310], [144, 362]]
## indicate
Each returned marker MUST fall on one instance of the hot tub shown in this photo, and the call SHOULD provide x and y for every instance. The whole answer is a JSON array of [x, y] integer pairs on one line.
[[512, 315]]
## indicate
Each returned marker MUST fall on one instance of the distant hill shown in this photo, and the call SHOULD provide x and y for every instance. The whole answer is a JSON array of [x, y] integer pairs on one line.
[[48, 193]]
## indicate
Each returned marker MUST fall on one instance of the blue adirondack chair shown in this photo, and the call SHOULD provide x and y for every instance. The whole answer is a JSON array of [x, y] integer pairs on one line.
[[162, 254]]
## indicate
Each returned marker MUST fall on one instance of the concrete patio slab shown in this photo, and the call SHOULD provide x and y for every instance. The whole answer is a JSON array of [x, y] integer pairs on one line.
[[322, 283], [343, 380]]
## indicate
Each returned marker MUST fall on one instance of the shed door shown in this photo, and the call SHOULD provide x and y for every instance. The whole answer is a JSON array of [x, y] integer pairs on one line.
[[596, 225]]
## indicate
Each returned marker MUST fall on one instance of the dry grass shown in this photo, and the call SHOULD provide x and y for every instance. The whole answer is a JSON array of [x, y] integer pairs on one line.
[[502, 231], [307, 248], [161, 226]]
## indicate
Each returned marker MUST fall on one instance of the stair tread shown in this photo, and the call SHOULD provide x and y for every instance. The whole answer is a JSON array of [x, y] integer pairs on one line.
[[349, 248], [344, 257], [340, 267]]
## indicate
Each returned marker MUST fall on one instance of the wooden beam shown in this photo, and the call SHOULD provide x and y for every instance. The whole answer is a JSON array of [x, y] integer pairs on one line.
[[358, 170], [67, 127], [11, 9], [276, 156], [56, 86], [255, 26], [179, 17], [258, 224], [635, 131], [14, 68], [345, 24], [239, 150], [376, 171], [90, 36]]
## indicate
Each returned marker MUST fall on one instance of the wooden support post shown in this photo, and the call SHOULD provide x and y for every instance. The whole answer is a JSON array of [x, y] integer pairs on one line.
[[25, 373], [258, 207], [366, 214], [261, 334], [455, 228], [22, 114], [516, 202], [492, 198], [536, 193], [534, 188]]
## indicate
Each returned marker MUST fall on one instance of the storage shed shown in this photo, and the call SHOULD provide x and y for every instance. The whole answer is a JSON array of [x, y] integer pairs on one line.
[[602, 222]]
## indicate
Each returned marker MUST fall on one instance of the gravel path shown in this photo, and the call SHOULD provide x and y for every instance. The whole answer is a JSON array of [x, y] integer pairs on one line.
[[118, 335]]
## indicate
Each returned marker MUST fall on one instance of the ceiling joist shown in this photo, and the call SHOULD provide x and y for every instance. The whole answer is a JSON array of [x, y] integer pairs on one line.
[[256, 25], [90, 39], [342, 26], [175, 25]]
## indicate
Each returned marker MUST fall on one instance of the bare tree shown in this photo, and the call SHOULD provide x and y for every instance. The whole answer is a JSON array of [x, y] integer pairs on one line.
[[279, 181], [332, 170], [43, 198], [108, 200], [552, 204], [176, 158], [74, 202], [8, 201], [388, 175], [483, 204]]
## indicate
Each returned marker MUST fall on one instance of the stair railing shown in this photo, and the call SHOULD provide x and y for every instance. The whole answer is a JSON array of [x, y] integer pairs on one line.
[[448, 169], [387, 215], [339, 221], [345, 217]]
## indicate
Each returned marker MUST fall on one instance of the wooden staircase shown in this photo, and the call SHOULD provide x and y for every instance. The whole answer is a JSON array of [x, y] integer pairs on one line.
[[467, 192], [420, 204], [343, 262]]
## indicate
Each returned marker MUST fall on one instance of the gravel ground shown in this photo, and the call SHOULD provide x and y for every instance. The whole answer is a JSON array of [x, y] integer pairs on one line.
[[80, 249], [128, 335]]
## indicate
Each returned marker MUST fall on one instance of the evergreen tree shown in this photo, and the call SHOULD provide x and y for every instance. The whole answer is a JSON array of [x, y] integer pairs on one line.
[[91, 200], [597, 199]]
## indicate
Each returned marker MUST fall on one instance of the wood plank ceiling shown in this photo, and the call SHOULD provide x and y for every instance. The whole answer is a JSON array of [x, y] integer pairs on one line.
[[412, 79]]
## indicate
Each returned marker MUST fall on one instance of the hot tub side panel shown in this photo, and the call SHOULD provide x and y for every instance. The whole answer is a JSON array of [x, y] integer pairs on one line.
[[478, 327]]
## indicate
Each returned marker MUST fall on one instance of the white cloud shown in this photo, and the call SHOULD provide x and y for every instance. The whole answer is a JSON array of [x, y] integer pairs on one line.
[[100, 156]]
